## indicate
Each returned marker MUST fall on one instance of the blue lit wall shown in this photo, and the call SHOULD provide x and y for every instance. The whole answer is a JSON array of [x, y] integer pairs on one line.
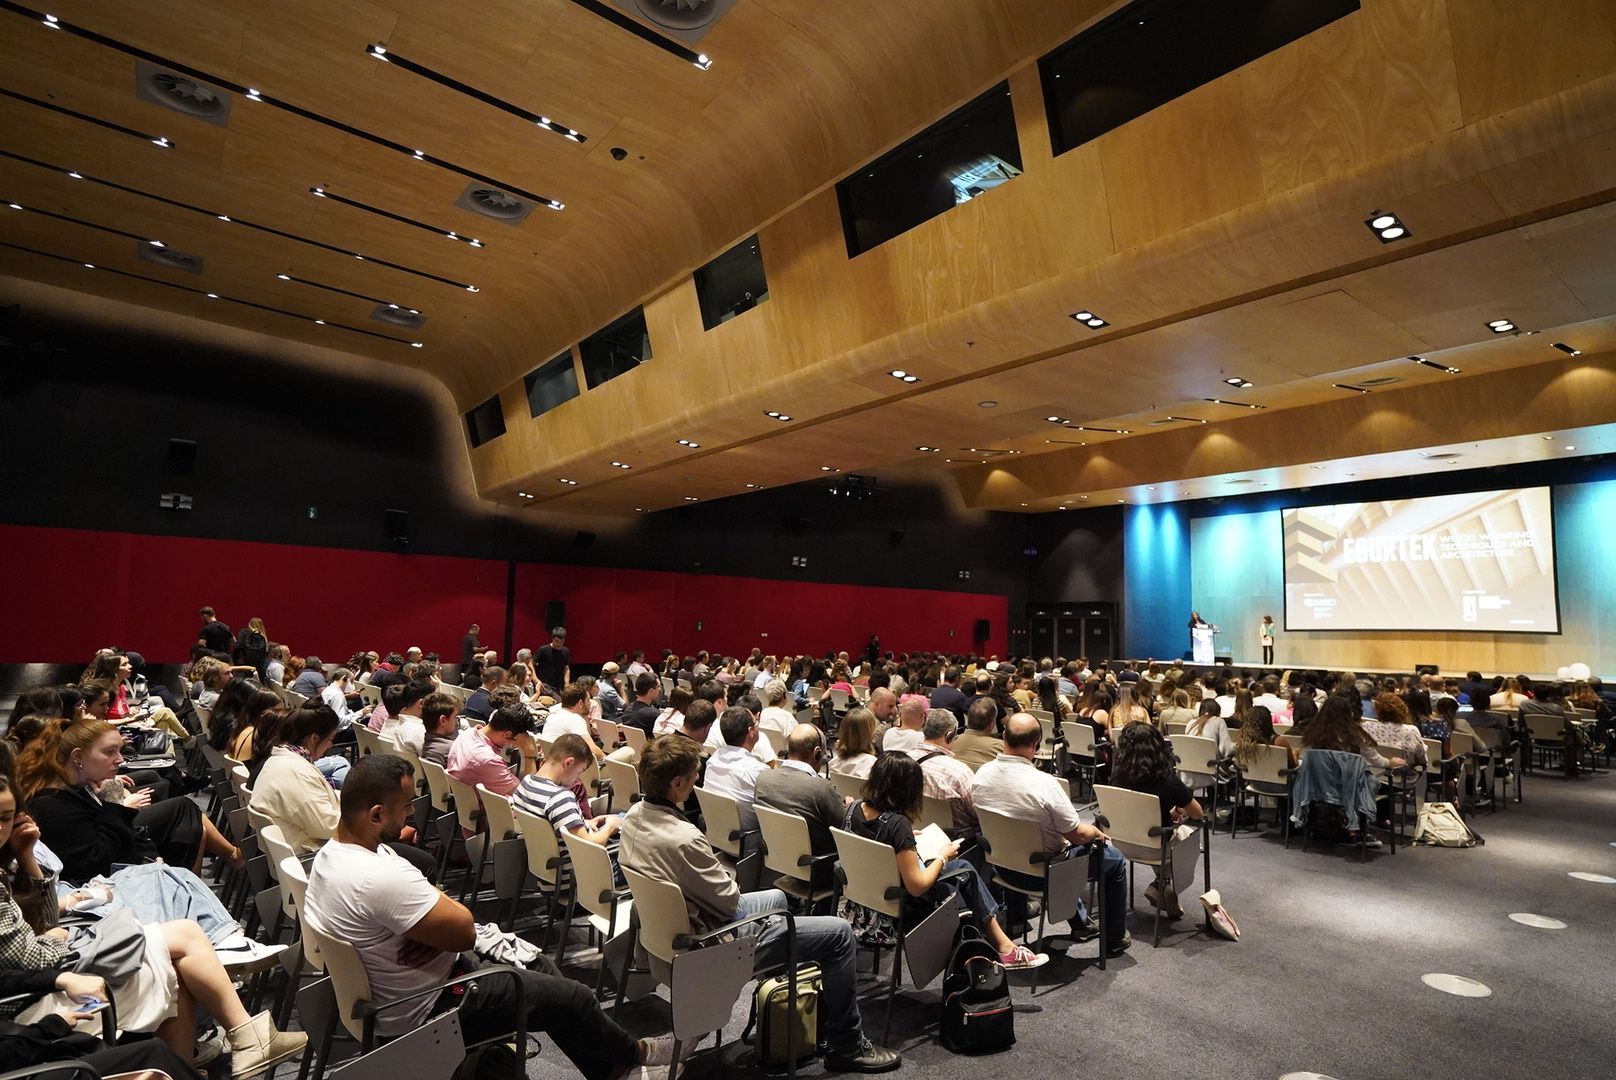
[[1156, 598], [1235, 577]]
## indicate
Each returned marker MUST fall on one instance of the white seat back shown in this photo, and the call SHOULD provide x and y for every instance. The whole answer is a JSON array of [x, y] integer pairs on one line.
[[1132, 814], [872, 873]]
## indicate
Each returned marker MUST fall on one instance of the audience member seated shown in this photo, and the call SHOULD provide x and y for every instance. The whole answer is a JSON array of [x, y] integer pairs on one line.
[[1209, 724], [672, 718], [1258, 730], [883, 705], [797, 788], [289, 788], [556, 792], [409, 937], [406, 727], [1177, 710], [1011, 785], [948, 695], [907, 734], [1050, 700], [116, 669], [733, 770], [68, 776], [1393, 727], [478, 705], [1339, 726], [178, 969], [1144, 762], [1508, 700], [892, 797], [335, 695], [440, 720], [570, 716], [660, 842], [478, 754], [777, 714], [979, 743], [240, 704], [642, 711], [946, 778], [855, 744], [1097, 712], [311, 682], [1304, 707]]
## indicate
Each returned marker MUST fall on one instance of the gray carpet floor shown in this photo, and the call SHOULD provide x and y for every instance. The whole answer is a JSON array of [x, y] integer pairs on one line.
[[1326, 978]]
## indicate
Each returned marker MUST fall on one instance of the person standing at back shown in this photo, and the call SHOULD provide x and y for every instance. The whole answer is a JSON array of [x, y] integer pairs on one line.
[[553, 662], [214, 636], [469, 646]]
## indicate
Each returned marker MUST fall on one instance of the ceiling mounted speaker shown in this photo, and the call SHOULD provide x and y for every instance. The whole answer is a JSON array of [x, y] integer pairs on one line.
[[167, 257], [683, 20], [181, 93], [397, 316], [495, 203]]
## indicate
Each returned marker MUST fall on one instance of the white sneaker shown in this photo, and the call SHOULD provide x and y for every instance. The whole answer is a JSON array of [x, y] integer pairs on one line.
[[243, 956], [210, 1046]]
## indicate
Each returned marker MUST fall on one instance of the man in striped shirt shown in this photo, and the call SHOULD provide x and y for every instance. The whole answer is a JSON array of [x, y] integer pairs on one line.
[[554, 792]]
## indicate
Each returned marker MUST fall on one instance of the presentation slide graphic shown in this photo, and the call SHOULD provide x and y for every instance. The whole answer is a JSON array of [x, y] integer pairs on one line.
[[1478, 561]]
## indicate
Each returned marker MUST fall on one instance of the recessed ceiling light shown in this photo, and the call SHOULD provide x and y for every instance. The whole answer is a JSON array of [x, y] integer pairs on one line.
[[284, 277], [15, 206], [1569, 448], [472, 288], [751, 485], [223, 217], [1500, 326], [1387, 227], [1023, 504], [1549, 438], [929, 449], [1236, 404], [569, 483], [89, 266], [1089, 319], [828, 468], [1057, 419], [76, 175], [1433, 364], [692, 445], [521, 494], [211, 295], [1236, 380], [639, 509], [417, 345], [620, 465], [319, 322], [1085, 498], [1567, 349], [903, 376], [780, 416], [691, 498]]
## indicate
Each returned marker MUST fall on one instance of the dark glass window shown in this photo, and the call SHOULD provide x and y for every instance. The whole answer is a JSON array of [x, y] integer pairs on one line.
[[967, 152], [731, 283], [551, 384], [1153, 51], [486, 421], [622, 346]]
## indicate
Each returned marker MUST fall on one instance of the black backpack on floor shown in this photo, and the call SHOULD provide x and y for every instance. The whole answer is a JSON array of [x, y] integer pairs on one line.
[[977, 1013]]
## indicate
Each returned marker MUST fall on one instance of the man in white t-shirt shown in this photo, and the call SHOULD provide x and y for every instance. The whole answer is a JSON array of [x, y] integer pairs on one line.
[[908, 733], [570, 716], [733, 770], [409, 937], [407, 728]]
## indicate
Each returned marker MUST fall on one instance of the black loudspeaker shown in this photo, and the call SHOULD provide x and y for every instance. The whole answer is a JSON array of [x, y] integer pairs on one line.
[[1425, 669], [982, 629], [397, 524], [555, 614], [581, 542], [182, 455], [895, 537]]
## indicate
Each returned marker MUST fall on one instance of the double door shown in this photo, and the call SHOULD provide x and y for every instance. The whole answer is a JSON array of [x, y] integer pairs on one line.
[[1072, 630]]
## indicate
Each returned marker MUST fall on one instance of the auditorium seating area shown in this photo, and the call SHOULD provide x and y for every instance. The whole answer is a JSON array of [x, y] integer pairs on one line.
[[1513, 913]]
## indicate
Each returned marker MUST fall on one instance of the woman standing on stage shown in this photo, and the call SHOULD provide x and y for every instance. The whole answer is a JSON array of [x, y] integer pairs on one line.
[[1265, 632]]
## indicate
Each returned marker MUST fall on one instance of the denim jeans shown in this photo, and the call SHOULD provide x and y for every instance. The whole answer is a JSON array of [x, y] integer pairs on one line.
[[334, 768], [972, 890], [1105, 863], [824, 940]]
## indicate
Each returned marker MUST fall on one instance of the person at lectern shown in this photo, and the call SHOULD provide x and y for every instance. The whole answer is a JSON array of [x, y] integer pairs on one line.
[[1200, 639]]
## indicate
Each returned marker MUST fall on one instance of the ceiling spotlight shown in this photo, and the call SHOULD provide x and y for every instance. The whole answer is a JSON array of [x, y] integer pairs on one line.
[[320, 191], [378, 51], [828, 468], [751, 485], [213, 296], [1500, 326], [162, 140], [691, 498], [780, 416], [692, 445], [1236, 380], [15, 206], [1236, 404], [472, 288], [1387, 227], [1089, 319], [319, 322], [89, 266], [420, 155], [569, 483], [52, 22], [1562, 346], [1569, 448], [899, 373], [76, 175], [284, 277], [929, 449], [1057, 420], [703, 61], [620, 465], [986, 404], [223, 217], [417, 345], [521, 494], [253, 95]]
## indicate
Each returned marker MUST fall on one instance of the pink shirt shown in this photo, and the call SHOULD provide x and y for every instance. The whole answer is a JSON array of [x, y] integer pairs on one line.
[[474, 760]]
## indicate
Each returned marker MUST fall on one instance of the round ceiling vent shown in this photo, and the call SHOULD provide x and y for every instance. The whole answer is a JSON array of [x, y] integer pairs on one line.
[[182, 93], [186, 95], [678, 14], [167, 257], [398, 316], [494, 203]]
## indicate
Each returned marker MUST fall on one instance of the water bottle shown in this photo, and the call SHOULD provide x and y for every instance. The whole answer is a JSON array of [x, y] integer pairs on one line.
[[140, 688]]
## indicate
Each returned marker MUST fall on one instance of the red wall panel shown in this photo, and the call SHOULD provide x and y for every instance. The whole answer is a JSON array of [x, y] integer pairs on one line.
[[67, 592]]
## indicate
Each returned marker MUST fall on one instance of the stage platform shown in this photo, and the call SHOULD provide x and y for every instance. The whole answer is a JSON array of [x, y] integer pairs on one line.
[[1280, 666]]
